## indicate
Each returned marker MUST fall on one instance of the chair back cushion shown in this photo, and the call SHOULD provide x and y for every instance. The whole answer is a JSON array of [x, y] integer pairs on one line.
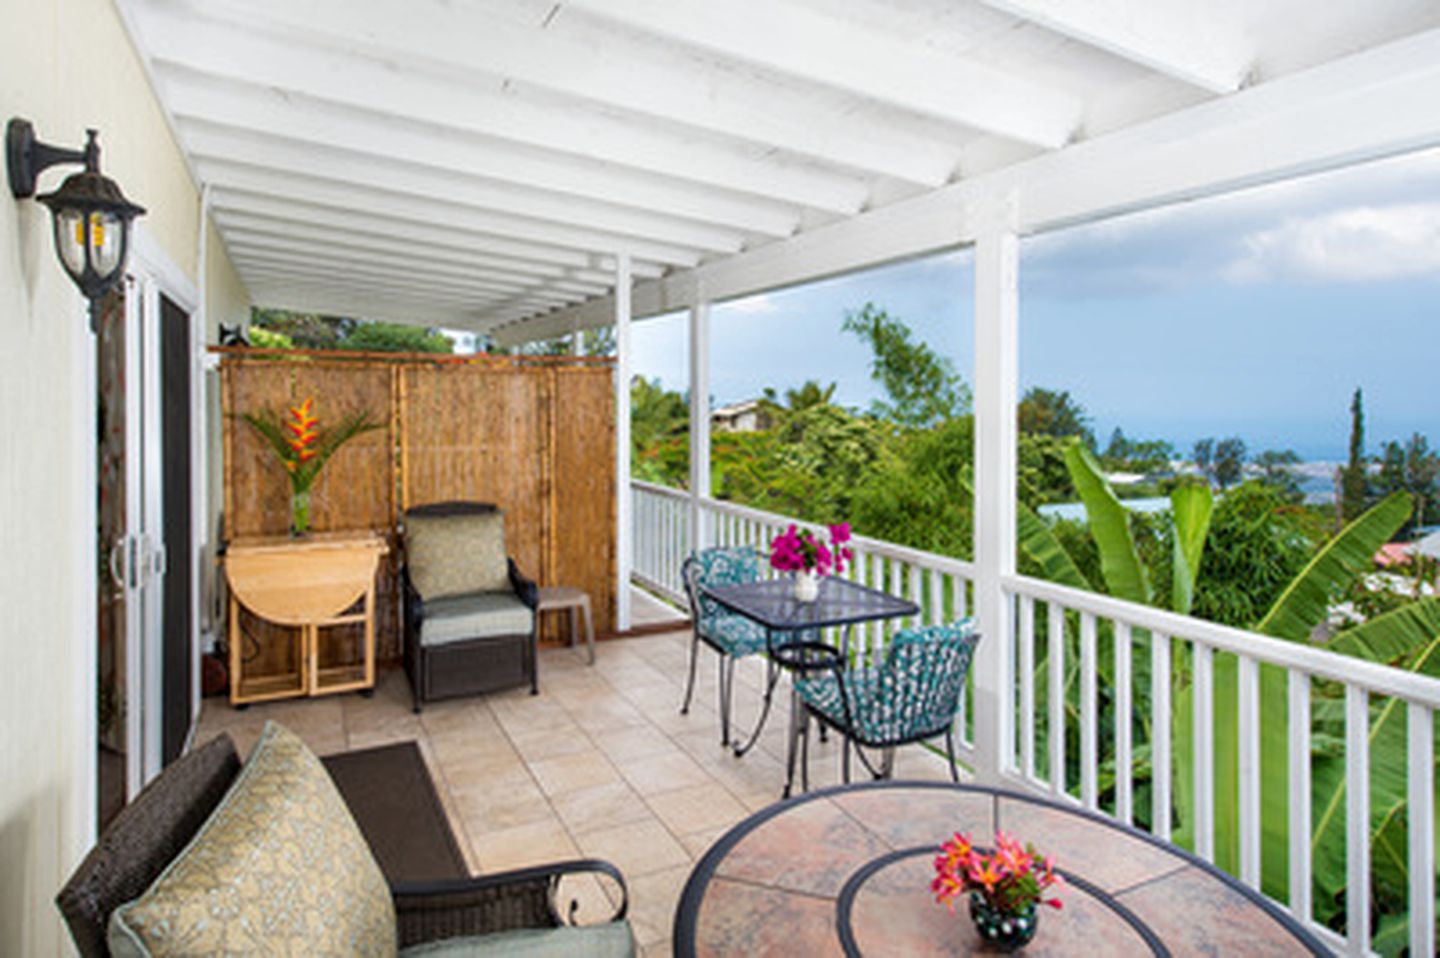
[[723, 565], [456, 552], [918, 689], [144, 838], [279, 868]]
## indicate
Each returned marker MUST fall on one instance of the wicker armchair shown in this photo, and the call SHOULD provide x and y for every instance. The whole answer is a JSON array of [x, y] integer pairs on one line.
[[470, 615], [154, 828], [912, 696]]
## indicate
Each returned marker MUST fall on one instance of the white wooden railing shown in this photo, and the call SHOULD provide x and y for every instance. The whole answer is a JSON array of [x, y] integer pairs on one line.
[[1066, 630], [1174, 645], [940, 585]]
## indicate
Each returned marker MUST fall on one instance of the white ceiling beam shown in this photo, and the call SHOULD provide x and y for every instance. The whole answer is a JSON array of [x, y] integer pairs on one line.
[[262, 274], [310, 252], [378, 201], [1372, 104], [458, 37], [283, 156], [344, 269], [267, 213], [234, 223], [360, 280], [171, 37], [379, 307], [316, 241], [266, 114], [364, 286], [819, 48], [1183, 39]]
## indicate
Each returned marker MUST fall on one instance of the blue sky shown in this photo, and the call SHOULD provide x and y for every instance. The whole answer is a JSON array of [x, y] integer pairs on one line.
[[1255, 314]]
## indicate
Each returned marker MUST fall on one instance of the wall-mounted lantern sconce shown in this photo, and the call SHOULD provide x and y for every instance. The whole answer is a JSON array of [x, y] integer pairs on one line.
[[90, 215]]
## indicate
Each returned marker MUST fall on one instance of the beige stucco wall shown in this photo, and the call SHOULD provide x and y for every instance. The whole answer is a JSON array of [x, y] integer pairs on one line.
[[65, 65]]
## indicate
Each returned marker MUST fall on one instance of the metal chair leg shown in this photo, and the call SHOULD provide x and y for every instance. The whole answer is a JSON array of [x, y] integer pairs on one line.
[[805, 751], [772, 676], [887, 764], [727, 684], [950, 753], [845, 759], [690, 685]]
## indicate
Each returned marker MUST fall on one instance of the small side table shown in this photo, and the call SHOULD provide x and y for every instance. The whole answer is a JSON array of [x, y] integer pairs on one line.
[[556, 598]]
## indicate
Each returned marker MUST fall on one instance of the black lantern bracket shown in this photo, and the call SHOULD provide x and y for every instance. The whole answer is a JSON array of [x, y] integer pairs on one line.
[[26, 157], [90, 216]]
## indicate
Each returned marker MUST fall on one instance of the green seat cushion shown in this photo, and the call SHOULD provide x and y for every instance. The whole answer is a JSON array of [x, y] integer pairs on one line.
[[456, 554], [481, 616], [612, 940], [279, 867]]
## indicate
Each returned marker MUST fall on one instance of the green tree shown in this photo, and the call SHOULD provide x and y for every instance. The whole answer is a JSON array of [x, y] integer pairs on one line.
[[1277, 470], [395, 338], [1229, 462], [1354, 481], [922, 387], [306, 330], [1411, 468], [1203, 455], [263, 338], [659, 433], [1052, 412]]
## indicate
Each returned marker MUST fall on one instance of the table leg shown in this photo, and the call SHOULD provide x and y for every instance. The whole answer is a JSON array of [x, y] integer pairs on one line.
[[795, 709], [589, 628]]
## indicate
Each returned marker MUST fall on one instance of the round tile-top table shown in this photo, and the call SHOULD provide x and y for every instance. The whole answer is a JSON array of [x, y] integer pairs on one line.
[[847, 871]]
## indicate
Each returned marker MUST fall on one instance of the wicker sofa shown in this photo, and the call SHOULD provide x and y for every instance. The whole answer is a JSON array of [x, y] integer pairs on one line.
[[187, 866], [471, 617]]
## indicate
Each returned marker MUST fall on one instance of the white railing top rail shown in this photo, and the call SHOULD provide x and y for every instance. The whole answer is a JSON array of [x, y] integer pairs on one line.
[[1319, 663], [879, 547], [660, 490]]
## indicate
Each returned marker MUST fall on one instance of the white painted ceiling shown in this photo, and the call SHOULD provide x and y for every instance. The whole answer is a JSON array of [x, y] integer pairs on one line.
[[479, 163]]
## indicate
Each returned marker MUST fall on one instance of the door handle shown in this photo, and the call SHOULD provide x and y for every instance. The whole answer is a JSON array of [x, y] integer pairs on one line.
[[118, 572]]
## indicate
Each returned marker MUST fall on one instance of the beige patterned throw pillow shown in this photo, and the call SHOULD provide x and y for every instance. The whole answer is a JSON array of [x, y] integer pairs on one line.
[[280, 868], [456, 554]]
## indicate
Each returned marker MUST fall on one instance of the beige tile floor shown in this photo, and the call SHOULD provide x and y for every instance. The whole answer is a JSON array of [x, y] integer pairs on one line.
[[601, 763]]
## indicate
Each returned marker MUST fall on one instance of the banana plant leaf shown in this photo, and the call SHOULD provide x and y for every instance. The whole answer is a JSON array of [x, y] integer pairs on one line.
[[1110, 526], [1039, 543], [1295, 615], [1191, 507], [1407, 638], [1305, 601]]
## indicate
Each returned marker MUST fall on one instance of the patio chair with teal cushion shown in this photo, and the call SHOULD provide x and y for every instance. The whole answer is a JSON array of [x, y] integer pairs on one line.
[[913, 695], [731, 635]]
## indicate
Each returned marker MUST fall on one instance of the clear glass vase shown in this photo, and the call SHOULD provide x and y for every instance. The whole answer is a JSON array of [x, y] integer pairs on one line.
[[300, 513]]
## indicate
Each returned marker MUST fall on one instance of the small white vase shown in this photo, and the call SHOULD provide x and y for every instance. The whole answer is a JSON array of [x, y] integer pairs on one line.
[[807, 585]]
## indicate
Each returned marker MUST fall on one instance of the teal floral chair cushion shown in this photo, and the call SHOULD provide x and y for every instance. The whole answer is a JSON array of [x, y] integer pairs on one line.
[[731, 635], [914, 694]]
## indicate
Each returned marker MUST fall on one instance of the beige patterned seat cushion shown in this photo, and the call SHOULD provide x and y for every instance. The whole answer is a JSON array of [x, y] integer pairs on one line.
[[456, 554], [458, 618], [279, 868]]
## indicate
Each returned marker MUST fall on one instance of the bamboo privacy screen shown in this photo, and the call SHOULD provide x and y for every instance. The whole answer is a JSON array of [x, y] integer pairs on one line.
[[535, 438]]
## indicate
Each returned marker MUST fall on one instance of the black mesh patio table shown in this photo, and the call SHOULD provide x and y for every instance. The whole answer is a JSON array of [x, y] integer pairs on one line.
[[840, 603]]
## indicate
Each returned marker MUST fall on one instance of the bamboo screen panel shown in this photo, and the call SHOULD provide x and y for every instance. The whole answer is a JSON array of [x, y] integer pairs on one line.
[[585, 485], [536, 439], [468, 432], [355, 490]]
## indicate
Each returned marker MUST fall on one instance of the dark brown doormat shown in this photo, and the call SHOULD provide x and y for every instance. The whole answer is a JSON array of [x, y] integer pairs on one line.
[[394, 802]]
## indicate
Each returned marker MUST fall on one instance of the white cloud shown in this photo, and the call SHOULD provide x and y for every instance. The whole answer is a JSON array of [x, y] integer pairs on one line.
[[754, 305], [1355, 245]]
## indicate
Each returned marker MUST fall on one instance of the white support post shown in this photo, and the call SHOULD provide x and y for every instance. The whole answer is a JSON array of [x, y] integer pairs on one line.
[[624, 533], [699, 421], [577, 343], [997, 372]]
